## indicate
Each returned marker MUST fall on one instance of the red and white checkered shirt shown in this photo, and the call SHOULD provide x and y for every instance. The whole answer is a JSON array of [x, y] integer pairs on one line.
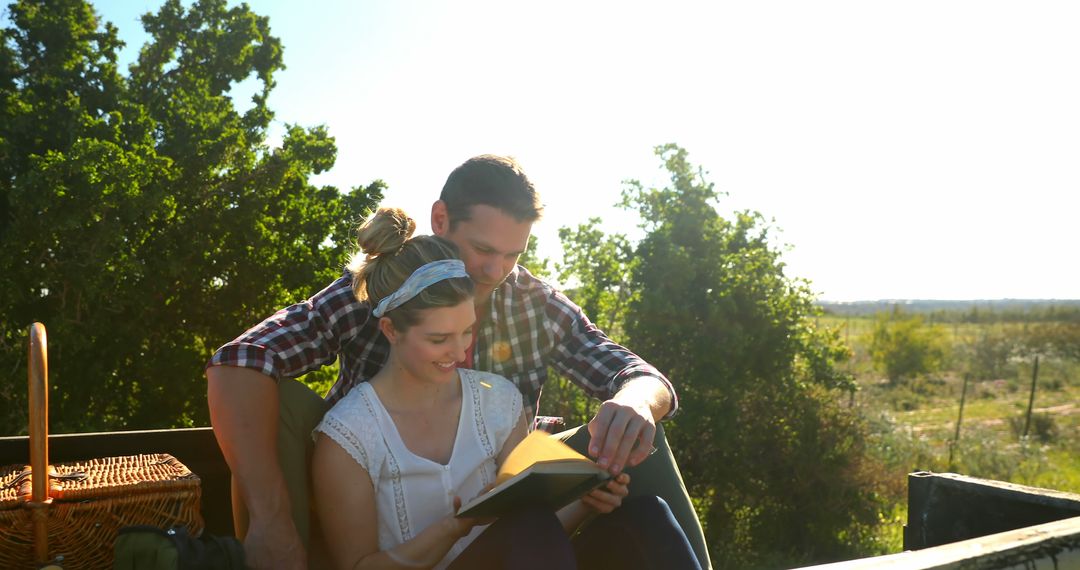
[[530, 326]]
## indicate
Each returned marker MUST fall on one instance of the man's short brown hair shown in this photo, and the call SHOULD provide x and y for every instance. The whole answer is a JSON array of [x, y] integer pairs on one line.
[[492, 180]]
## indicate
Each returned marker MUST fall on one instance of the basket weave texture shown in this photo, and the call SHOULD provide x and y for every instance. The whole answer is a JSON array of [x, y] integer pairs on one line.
[[89, 501]]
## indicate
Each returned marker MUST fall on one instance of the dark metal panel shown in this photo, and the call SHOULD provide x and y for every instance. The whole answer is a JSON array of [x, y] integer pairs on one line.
[[945, 508]]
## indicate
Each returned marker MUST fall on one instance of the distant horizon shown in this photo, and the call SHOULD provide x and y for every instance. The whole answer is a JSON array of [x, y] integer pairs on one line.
[[995, 300]]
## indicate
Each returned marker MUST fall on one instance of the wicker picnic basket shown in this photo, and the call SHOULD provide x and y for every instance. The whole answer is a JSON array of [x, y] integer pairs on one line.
[[72, 516]]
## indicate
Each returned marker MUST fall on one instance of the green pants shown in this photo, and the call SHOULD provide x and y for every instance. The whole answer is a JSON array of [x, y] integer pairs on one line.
[[302, 409], [658, 475]]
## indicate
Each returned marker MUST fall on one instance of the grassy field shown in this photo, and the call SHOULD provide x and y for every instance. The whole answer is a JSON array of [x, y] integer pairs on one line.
[[914, 421]]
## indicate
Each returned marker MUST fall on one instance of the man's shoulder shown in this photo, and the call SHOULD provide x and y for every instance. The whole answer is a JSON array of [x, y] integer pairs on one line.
[[526, 289], [340, 287], [337, 298], [522, 283], [522, 280]]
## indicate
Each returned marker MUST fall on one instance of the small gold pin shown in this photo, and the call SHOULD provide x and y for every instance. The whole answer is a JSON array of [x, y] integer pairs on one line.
[[485, 384]]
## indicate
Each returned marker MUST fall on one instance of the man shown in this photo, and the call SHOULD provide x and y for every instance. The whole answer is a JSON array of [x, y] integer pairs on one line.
[[487, 208]]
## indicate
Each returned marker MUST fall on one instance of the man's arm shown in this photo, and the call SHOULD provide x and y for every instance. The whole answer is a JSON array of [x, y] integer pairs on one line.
[[635, 394], [244, 411], [243, 395]]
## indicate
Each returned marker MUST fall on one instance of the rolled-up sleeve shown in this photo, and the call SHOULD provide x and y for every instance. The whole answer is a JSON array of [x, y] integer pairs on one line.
[[584, 354], [299, 338]]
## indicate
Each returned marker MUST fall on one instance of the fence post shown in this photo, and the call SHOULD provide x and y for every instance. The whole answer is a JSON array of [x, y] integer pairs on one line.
[[959, 419], [1031, 399]]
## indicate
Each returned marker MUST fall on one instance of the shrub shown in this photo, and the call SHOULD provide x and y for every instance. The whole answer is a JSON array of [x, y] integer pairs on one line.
[[904, 347], [1043, 429]]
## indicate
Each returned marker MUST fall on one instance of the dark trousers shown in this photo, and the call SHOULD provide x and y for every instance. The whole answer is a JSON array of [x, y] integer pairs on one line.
[[530, 540], [657, 476], [642, 534]]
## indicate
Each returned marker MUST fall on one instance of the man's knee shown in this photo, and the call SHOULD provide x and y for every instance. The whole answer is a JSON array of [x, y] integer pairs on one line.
[[646, 508], [579, 436], [300, 408]]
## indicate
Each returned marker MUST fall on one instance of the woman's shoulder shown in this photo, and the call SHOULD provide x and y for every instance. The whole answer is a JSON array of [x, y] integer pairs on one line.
[[353, 424], [355, 405]]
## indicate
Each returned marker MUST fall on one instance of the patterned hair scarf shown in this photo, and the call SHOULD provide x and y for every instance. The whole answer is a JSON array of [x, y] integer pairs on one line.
[[424, 277]]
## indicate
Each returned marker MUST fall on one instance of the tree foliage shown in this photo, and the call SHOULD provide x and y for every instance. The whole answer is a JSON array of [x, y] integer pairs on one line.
[[1056, 339], [601, 264], [904, 346], [144, 219], [532, 261], [778, 466]]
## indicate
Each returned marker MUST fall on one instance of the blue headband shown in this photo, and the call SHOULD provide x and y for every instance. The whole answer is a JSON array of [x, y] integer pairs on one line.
[[424, 277]]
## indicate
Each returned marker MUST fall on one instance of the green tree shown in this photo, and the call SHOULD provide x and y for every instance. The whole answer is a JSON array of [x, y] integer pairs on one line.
[[597, 268], [601, 266], [532, 261], [145, 220], [1055, 339], [778, 467], [905, 347], [989, 354]]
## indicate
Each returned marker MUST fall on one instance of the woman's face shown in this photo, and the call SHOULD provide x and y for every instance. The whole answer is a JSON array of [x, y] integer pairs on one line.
[[431, 349]]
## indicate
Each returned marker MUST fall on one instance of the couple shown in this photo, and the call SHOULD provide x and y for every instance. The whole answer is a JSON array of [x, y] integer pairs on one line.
[[263, 419]]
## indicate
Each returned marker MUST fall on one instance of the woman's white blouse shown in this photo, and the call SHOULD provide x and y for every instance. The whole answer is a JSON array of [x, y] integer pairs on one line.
[[412, 492]]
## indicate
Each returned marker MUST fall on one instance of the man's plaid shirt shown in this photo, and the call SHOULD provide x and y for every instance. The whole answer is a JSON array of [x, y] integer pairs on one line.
[[530, 326]]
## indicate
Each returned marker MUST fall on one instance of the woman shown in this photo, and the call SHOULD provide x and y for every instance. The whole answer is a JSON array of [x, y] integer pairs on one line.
[[395, 457]]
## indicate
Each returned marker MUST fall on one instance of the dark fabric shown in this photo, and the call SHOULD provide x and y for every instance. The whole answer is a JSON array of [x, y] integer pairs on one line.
[[530, 540], [657, 476], [640, 535], [153, 548]]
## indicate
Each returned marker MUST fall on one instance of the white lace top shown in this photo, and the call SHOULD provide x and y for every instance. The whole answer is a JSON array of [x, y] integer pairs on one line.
[[412, 492]]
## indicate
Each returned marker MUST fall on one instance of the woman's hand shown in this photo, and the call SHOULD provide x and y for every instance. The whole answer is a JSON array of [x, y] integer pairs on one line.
[[460, 526], [605, 499]]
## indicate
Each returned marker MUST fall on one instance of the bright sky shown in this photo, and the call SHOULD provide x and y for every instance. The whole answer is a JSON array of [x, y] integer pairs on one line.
[[918, 149]]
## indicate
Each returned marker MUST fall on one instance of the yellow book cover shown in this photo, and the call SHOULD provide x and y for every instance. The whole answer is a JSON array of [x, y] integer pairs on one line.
[[539, 471]]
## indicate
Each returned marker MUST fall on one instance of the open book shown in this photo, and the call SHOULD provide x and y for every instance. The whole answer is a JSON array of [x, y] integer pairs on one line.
[[539, 471]]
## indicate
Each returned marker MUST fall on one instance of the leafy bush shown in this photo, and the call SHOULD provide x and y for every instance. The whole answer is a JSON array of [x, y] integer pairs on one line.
[[989, 356], [1043, 428], [904, 347]]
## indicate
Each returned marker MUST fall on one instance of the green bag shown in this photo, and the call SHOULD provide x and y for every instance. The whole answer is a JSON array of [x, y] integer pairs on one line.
[[153, 548]]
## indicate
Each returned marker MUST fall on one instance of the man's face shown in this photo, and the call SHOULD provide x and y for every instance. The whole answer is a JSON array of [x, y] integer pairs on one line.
[[490, 243]]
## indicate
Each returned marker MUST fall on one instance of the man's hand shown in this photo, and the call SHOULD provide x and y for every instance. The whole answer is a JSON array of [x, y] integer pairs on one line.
[[274, 544], [622, 431], [621, 435]]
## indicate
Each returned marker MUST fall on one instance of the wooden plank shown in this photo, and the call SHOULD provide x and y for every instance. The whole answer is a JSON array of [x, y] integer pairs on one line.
[[1049, 546]]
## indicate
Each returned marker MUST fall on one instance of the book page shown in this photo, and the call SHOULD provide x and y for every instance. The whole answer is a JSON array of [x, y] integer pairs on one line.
[[537, 446]]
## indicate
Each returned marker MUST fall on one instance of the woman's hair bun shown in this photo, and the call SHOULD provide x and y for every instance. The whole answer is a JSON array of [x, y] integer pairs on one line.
[[385, 231]]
